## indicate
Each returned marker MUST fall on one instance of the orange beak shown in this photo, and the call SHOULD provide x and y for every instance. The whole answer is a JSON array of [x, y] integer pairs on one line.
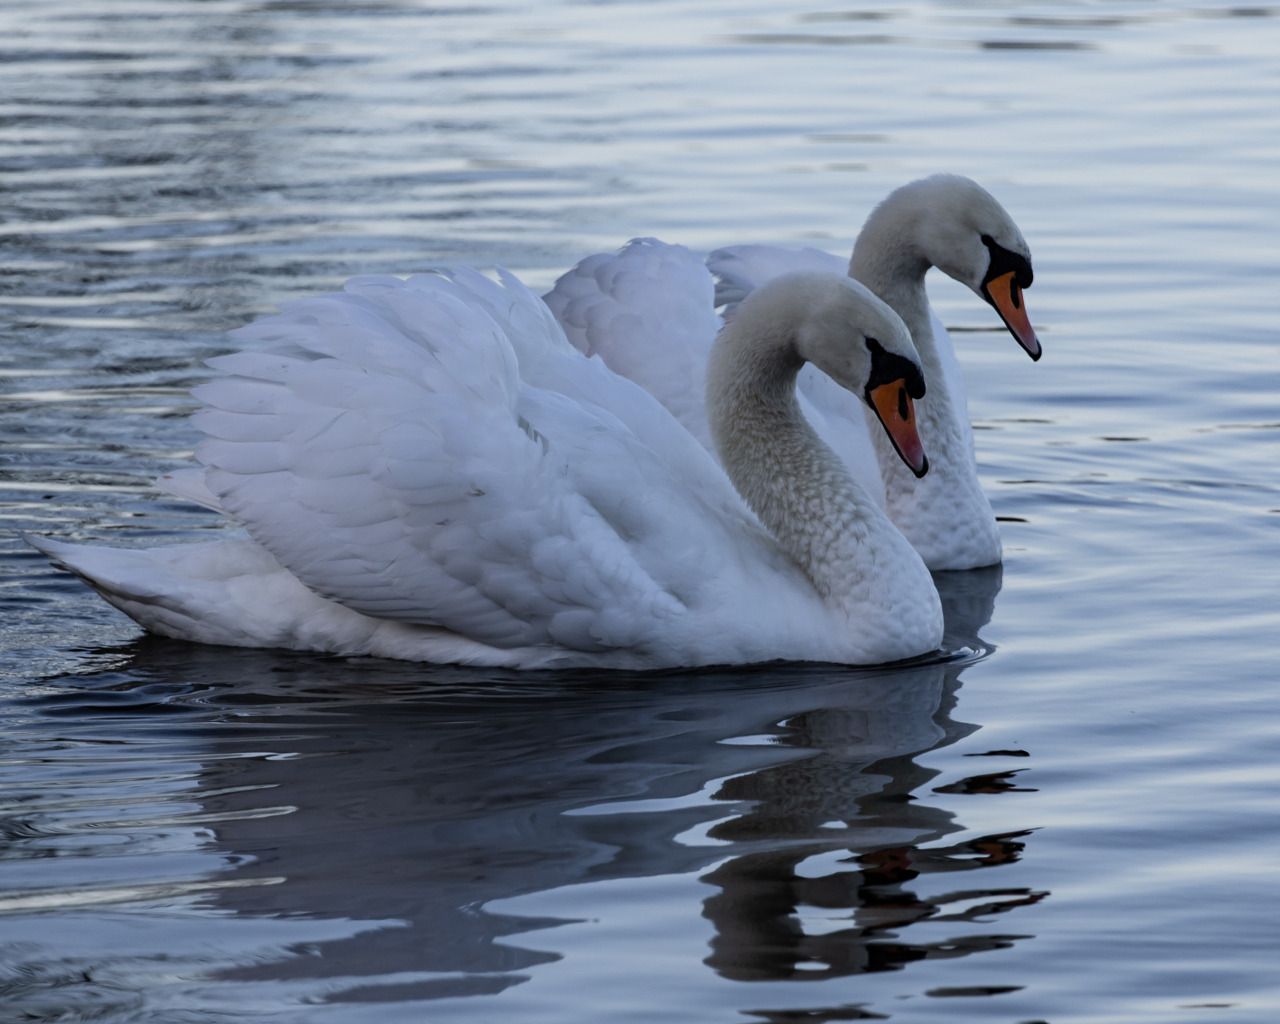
[[897, 414], [1004, 293]]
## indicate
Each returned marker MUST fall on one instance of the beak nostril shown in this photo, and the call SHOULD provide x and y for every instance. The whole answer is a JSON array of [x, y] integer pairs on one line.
[[904, 407]]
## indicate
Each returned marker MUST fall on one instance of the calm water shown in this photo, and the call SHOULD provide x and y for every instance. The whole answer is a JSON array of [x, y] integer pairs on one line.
[[1073, 819]]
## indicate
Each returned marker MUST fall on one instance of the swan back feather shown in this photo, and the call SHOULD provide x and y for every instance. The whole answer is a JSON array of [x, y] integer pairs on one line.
[[428, 469]]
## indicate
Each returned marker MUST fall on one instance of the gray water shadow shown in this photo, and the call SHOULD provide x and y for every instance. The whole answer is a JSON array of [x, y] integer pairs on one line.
[[413, 801]]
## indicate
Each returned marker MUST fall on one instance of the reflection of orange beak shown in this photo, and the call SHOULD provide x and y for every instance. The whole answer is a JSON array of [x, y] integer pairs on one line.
[[897, 414], [1003, 293]]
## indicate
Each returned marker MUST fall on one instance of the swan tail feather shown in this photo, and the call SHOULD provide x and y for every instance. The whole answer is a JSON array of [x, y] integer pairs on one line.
[[232, 593], [189, 591]]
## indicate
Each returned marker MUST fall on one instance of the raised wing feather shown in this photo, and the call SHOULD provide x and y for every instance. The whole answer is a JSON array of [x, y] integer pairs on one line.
[[433, 451], [740, 269], [648, 311]]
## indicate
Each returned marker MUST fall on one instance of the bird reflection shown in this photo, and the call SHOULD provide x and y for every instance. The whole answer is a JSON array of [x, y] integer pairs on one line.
[[410, 800], [846, 835], [761, 910]]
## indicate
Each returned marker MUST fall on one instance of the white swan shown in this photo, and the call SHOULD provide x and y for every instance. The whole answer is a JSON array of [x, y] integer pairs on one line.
[[428, 470], [645, 311]]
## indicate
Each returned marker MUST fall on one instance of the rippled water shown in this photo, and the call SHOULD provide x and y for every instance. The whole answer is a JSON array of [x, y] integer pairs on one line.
[[1072, 820]]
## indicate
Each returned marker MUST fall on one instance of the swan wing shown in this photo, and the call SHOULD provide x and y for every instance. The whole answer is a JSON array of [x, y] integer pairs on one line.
[[740, 269], [433, 451], [189, 484], [648, 311]]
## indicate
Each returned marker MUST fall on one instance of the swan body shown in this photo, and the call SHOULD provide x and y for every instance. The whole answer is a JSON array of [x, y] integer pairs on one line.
[[627, 306], [428, 470]]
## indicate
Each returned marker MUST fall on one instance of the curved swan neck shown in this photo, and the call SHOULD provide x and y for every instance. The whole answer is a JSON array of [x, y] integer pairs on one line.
[[890, 259], [795, 484]]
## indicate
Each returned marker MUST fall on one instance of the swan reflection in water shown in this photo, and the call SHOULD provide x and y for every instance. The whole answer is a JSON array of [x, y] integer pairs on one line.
[[844, 832], [418, 807]]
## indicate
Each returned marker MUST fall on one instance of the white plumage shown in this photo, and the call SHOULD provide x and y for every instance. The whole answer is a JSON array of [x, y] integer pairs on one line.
[[427, 469], [647, 310]]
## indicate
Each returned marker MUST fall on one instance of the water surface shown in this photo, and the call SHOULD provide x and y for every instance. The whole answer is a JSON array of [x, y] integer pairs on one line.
[[1071, 819]]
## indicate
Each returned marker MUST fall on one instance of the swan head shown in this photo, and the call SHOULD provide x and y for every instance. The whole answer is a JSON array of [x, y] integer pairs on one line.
[[860, 343], [954, 224]]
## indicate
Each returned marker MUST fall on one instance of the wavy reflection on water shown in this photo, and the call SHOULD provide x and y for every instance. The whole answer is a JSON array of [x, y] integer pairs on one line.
[[415, 809], [837, 903]]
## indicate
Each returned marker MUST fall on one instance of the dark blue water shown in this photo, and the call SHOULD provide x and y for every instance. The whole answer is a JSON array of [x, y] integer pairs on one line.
[[1072, 820]]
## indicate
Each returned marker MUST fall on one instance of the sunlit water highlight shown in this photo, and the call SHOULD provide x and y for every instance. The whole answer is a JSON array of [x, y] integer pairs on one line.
[[1072, 820]]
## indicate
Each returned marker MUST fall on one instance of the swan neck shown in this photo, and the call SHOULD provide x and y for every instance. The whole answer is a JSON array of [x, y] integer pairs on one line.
[[888, 260], [891, 260], [796, 486]]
